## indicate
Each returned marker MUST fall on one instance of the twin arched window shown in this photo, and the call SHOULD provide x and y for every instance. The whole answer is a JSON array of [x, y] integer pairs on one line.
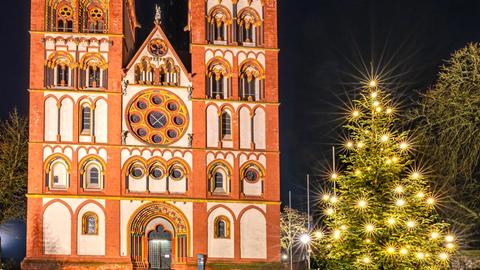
[[218, 79], [90, 16], [59, 70], [251, 82], [166, 74], [248, 28], [219, 179], [222, 227], [93, 72]]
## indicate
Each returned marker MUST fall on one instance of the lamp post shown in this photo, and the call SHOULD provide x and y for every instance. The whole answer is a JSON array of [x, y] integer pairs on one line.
[[305, 240]]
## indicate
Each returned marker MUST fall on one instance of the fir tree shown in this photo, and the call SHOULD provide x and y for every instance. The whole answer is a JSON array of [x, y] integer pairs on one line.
[[381, 214]]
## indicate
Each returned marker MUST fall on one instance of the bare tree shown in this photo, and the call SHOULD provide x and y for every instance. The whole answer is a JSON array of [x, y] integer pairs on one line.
[[293, 224], [13, 166]]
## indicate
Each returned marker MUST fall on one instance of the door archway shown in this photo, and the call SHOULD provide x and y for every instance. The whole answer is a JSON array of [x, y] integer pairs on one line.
[[139, 234]]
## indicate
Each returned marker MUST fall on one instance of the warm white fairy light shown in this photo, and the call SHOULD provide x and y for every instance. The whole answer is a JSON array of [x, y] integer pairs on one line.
[[394, 159], [389, 161], [449, 238], [368, 240], [349, 144], [415, 175], [334, 176], [389, 110], [378, 109], [326, 197], [443, 256], [420, 195], [343, 227], [366, 260], [400, 202], [362, 204], [318, 234], [431, 201], [360, 144], [369, 227], [411, 224], [403, 145], [399, 189], [329, 211], [450, 246], [391, 221], [434, 235], [333, 199], [358, 172], [403, 251], [355, 113], [376, 104], [305, 239], [336, 234], [420, 255], [372, 83], [384, 138]]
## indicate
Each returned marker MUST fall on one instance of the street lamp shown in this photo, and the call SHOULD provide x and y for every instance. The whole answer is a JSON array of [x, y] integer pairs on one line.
[[305, 239]]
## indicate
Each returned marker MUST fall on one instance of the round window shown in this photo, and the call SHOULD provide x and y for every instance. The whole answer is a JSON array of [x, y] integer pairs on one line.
[[142, 132], [157, 119], [172, 106], [141, 105], [135, 118], [178, 120], [137, 172], [176, 174], [157, 139], [172, 134], [157, 173], [157, 100], [251, 175]]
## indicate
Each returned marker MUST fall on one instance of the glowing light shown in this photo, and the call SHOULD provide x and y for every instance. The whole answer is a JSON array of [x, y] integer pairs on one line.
[[390, 250], [336, 234], [411, 224], [284, 256], [373, 94], [434, 235], [360, 144], [368, 240], [376, 104], [391, 221], [378, 109], [369, 228], [403, 251], [343, 227], [403, 145], [334, 199], [420, 255], [384, 138], [389, 111], [373, 83], [449, 238], [400, 202], [415, 175], [450, 245], [349, 144], [305, 239], [329, 211], [362, 204], [394, 159], [399, 189], [366, 260], [318, 234], [431, 201], [389, 161], [443, 256], [358, 172], [334, 176], [420, 195], [326, 197], [356, 113]]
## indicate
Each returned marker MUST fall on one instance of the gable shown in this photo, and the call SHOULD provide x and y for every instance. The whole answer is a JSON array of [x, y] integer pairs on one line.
[[157, 53]]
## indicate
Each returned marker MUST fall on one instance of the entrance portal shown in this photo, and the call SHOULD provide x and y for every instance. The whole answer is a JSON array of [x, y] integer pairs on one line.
[[160, 249]]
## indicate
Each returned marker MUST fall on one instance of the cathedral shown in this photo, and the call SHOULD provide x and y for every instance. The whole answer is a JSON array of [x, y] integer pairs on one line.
[[139, 161]]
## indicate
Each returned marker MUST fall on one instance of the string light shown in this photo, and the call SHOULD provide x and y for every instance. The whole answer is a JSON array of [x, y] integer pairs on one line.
[[362, 204], [336, 234], [389, 111], [356, 113], [334, 199], [318, 234], [390, 250], [369, 227], [403, 145], [349, 144], [334, 176], [420, 255], [449, 238], [343, 227], [376, 104], [368, 240], [399, 189], [400, 202], [450, 245], [411, 224], [420, 195], [391, 221], [305, 239], [373, 83], [378, 109], [431, 201], [326, 197], [358, 172], [434, 235], [443, 256], [360, 144], [415, 175], [366, 260], [394, 159], [329, 211], [403, 251], [384, 138]]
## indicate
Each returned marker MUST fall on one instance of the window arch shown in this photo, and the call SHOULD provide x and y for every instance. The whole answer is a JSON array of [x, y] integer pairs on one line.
[[156, 171], [59, 70], [93, 72], [145, 72], [86, 119], [222, 227], [226, 126], [252, 81], [252, 172], [218, 79], [177, 171], [137, 170], [92, 174], [93, 16], [57, 171], [60, 16], [90, 224], [249, 27], [219, 25], [219, 175]]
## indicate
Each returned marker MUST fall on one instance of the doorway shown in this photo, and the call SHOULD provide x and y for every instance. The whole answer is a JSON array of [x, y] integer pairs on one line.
[[160, 249]]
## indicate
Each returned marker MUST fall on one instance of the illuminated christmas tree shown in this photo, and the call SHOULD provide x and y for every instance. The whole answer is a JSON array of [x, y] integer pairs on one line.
[[381, 214]]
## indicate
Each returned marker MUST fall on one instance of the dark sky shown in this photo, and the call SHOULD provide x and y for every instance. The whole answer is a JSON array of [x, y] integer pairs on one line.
[[326, 47]]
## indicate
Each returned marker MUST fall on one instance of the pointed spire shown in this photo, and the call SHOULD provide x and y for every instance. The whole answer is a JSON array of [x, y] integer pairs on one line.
[[158, 15]]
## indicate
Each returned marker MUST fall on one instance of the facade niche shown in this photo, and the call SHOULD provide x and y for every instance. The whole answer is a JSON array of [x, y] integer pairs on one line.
[[166, 73]]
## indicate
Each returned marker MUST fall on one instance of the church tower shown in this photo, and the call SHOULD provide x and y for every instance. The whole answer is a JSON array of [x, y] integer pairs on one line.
[[135, 161]]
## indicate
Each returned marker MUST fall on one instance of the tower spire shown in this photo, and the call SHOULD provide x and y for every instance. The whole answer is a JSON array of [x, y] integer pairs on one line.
[[158, 14]]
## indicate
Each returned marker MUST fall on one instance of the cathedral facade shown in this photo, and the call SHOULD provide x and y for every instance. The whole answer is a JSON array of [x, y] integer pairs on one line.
[[135, 161]]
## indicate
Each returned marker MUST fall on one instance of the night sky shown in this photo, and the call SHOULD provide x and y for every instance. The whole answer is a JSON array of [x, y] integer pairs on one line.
[[327, 47]]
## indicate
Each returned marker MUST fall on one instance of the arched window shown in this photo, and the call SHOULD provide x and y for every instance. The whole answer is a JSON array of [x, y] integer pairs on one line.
[[251, 82], [92, 174], [90, 224], [218, 79], [218, 29], [222, 227], [64, 19], [93, 72], [249, 27], [59, 70], [226, 126], [86, 120], [58, 176], [219, 179]]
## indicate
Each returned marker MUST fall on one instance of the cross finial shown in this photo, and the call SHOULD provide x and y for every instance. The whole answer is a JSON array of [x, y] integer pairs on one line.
[[158, 14]]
